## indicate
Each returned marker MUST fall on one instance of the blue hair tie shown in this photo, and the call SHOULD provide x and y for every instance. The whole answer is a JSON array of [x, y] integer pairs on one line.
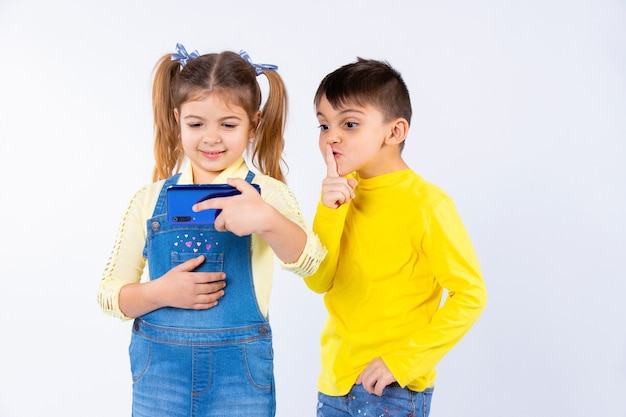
[[258, 68], [182, 55]]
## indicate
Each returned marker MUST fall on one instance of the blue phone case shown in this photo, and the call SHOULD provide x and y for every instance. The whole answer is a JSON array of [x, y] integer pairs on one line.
[[180, 199]]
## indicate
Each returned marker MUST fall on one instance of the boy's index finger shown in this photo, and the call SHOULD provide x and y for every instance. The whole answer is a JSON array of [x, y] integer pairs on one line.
[[331, 163]]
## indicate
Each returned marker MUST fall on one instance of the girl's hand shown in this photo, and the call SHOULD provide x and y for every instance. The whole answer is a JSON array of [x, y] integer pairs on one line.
[[375, 377], [336, 190], [180, 287], [241, 214], [247, 213]]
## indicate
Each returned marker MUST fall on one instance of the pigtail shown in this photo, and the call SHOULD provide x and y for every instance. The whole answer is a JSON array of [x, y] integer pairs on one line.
[[168, 152], [270, 143]]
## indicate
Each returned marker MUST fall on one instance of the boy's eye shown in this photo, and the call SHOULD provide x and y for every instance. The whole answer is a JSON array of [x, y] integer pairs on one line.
[[351, 125], [323, 127]]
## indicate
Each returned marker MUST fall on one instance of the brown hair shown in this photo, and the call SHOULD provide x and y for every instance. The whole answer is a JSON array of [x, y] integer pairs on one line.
[[228, 74], [367, 81]]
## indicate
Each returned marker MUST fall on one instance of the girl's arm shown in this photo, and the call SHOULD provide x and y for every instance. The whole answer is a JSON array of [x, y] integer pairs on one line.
[[248, 213], [122, 294], [275, 217], [179, 287]]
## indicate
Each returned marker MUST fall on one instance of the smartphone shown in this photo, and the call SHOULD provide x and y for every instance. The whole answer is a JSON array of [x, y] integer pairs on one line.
[[180, 199]]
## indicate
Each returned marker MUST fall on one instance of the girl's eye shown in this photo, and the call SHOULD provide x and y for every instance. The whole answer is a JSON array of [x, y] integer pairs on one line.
[[351, 125], [323, 127], [195, 124], [229, 125]]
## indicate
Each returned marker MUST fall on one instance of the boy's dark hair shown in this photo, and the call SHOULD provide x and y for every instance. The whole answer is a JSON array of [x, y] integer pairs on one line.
[[367, 81]]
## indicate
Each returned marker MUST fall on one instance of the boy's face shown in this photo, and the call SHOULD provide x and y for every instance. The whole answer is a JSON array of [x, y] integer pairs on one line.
[[357, 135]]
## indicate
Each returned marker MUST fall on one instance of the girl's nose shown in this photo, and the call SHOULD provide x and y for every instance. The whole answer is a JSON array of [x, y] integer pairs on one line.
[[211, 137]]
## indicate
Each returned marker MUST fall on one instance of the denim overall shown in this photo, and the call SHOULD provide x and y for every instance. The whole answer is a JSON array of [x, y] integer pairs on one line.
[[215, 362]]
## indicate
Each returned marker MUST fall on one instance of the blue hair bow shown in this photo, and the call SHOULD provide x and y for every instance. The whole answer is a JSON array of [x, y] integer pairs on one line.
[[182, 55], [258, 68]]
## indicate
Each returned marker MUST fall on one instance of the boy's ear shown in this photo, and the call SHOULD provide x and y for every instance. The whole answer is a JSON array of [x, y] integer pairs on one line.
[[399, 128]]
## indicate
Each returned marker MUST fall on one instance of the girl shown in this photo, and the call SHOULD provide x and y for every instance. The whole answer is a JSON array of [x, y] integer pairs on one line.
[[201, 341]]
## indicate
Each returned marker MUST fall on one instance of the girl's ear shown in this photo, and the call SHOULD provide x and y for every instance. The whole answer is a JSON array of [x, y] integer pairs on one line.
[[176, 115], [399, 128], [254, 125]]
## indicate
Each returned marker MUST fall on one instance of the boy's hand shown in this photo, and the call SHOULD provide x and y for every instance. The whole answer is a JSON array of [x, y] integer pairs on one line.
[[183, 288], [375, 377], [336, 190], [241, 214]]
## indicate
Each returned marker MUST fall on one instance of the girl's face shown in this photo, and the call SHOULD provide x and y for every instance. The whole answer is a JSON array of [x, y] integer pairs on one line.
[[214, 134]]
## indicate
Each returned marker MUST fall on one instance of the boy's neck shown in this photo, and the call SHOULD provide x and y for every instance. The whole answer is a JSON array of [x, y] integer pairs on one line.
[[383, 167]]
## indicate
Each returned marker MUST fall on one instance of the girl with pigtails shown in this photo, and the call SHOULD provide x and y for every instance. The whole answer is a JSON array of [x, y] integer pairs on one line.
[[201, 341]]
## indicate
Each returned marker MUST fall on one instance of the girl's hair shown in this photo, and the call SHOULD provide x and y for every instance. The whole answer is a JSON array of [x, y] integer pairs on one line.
[[233, 78]]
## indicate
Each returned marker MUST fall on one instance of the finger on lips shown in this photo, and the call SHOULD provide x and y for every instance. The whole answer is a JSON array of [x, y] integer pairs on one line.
[[331, 163]]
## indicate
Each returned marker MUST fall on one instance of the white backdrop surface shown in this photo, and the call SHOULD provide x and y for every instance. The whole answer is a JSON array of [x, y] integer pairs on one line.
[[519, 114]]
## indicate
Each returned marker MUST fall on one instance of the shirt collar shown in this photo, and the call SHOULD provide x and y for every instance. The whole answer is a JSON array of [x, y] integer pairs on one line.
[[239, 169]]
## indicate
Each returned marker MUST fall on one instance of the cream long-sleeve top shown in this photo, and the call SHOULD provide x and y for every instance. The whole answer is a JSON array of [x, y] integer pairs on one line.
[[126, 263]]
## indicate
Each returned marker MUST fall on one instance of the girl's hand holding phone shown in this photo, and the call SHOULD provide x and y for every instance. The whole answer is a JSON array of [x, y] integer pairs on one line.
[[242, 214]]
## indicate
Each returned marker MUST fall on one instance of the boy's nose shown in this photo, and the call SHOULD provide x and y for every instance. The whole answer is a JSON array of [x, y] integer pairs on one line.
[[333, 138]]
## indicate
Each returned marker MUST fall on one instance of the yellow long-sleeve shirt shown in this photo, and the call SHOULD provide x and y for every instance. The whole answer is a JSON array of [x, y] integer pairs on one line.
[[126, 263], [391, 253]]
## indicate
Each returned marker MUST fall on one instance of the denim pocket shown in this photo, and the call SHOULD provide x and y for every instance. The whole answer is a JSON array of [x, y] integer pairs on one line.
[[259, 361], [213, 261], [139, 352]]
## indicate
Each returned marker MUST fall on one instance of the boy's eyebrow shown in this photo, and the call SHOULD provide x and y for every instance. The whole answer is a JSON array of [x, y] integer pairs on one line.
[[319, 113]]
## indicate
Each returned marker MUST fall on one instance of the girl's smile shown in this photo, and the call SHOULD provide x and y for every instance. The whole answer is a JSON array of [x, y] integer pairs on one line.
[[214, 134], [212, 155]]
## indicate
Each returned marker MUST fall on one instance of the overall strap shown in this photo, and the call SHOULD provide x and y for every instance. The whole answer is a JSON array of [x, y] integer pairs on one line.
[[160, 205]]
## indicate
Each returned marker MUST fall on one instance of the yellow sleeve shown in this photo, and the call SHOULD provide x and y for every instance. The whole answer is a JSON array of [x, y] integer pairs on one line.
[[328, 225], [126, 262], [283, 200], [455, 267]]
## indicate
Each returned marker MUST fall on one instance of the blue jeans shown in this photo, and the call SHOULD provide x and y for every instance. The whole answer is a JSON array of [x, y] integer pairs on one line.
[[202, 373], [395, 401]]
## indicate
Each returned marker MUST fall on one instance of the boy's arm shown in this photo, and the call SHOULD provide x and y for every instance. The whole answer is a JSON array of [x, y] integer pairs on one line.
[[337, 191], [328, 225], [455, 266]]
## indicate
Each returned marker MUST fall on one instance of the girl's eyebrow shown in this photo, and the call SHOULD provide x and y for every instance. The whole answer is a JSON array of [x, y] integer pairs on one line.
[[193, 116]]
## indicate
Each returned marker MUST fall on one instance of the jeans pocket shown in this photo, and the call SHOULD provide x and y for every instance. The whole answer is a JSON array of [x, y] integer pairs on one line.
[[213, 261], [259, 361], [139, 352]]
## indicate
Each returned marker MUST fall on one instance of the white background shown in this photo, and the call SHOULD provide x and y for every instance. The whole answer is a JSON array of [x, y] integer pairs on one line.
[[519, 115]]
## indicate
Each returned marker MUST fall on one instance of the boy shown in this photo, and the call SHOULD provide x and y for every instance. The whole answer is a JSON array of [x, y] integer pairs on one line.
[[395, 242]]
